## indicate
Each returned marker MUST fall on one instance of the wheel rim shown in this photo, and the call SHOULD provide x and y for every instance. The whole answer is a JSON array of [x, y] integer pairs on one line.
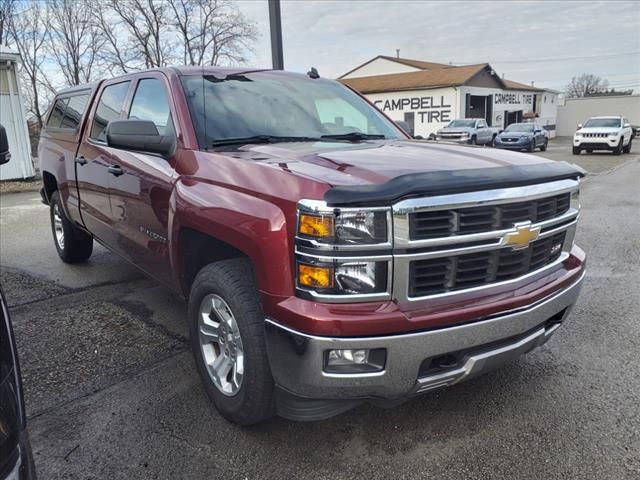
[[221, 344], [58, 230]]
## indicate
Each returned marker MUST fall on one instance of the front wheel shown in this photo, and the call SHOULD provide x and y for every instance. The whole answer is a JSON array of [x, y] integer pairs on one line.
[[576, 150], [618, 149], [532, 146], [473, 141], [227, 340], [627, 149], [544, 146], [72, 244]]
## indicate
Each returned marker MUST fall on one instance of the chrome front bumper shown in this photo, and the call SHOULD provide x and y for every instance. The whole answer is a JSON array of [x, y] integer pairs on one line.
[[297, 359]]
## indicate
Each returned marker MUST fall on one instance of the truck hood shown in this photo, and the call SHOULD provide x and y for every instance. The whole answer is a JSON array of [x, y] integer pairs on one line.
[[376, 162]]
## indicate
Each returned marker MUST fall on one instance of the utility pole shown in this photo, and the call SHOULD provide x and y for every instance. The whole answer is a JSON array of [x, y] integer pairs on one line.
[[275, 24]]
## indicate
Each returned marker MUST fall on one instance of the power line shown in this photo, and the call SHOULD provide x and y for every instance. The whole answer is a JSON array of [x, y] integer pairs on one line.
[[557, 59]]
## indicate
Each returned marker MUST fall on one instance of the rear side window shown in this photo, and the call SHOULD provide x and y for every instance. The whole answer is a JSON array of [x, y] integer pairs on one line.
[[109, 108], [150, 102], [57, 113], [74, 111]]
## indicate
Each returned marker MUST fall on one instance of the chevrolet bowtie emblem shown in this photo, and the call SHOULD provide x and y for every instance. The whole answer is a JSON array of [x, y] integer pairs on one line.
[[522, 236]]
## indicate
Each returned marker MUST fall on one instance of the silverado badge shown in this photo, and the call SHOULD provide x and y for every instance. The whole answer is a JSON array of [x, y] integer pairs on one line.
[[522, 236]]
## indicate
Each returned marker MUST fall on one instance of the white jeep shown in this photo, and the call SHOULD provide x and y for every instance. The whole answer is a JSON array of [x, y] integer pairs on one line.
[[603, 133]]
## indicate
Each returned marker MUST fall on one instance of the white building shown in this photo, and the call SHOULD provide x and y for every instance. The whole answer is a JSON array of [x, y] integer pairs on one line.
[[13, 119], [578, 110], [428, 95]]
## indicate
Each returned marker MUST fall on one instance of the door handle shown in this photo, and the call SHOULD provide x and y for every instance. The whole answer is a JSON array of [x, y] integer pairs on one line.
[[81, 160], [115, 171]]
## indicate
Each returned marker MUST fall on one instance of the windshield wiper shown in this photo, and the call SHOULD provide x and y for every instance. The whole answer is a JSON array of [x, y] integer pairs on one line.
[[261, 139], [353, 136]]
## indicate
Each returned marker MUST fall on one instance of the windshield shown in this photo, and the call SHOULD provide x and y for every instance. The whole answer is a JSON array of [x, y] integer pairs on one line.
[[520, 127], [277, 105], [461, 123], [603, 122]]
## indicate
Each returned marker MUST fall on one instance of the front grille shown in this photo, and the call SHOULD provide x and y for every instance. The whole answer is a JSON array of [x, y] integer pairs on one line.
[[446, 274], [463, 221], [510, 140], [595, 135]]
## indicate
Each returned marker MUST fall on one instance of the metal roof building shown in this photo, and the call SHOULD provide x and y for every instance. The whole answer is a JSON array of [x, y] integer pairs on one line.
[[13, 118]]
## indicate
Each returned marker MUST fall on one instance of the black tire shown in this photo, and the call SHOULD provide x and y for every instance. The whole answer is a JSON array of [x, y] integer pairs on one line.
[[576, 150], [618, 149], [532, 146], [544, 146], [493, 141], [589, 150], [234, 282], [473, 141], [74, 245], [627, 149]]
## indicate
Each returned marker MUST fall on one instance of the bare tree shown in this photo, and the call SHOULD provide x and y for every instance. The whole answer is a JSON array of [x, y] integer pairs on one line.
[[28, 32], [7, 8], [74, 39], [211, 31], [147, 25], [585, 85]]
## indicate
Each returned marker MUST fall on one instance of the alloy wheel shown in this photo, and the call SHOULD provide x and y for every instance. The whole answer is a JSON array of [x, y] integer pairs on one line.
[[57, 226], [221, 344]]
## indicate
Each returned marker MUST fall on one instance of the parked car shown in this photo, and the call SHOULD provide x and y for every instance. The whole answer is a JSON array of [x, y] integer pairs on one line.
[[474, 131], [5, 154], [328, 260], [16, 458], [523, 136], [604, 133]]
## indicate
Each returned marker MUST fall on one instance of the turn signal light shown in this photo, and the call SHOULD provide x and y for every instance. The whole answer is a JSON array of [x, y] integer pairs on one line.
[[315, 277], [316, 225]]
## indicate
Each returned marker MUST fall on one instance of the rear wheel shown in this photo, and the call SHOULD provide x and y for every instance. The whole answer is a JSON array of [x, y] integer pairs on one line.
[[627, 149], [576, 150], [72, 244], [227, 340], [493, 141]]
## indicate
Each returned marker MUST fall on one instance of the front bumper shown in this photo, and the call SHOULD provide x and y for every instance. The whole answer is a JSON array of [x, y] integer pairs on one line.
[[596, 143], [454, 139], [306, 392], [519, 145]]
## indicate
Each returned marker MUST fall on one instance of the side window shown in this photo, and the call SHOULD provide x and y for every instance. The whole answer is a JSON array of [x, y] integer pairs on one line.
[[150, 102], [57, 113], [109, 108], [74, 111], [482, 124]]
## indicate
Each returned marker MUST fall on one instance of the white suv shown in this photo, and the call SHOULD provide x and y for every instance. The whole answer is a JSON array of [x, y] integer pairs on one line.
[[603, 133]]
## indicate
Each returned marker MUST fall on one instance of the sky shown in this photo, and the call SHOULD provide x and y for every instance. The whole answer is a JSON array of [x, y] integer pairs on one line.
[[544, 41]]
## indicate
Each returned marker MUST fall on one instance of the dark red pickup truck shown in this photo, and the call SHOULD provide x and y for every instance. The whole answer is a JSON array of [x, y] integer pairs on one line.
[[328, 259]]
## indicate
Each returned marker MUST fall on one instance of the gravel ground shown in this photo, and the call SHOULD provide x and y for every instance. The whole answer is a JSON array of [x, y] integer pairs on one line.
[[112, 392]]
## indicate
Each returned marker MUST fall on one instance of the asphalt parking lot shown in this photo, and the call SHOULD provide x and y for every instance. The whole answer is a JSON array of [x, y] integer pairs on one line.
[[112, 392]]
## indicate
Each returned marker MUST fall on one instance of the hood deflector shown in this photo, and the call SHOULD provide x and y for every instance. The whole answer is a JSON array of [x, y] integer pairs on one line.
[[448, 182]]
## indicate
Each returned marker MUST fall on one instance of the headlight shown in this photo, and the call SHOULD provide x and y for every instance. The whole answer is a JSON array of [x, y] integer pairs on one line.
[[342, 278], [577, 134], [464, 134], [329, 266], [614, 134], [342, 226]]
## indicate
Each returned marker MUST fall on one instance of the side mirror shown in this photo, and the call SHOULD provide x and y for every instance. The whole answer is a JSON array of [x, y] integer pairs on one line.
[[538, 131], [140, 135], [579, 126], [626, 125], [5, 155]]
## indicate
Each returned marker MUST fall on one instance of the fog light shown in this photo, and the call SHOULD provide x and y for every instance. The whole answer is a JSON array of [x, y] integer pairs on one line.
[[357, 360]]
